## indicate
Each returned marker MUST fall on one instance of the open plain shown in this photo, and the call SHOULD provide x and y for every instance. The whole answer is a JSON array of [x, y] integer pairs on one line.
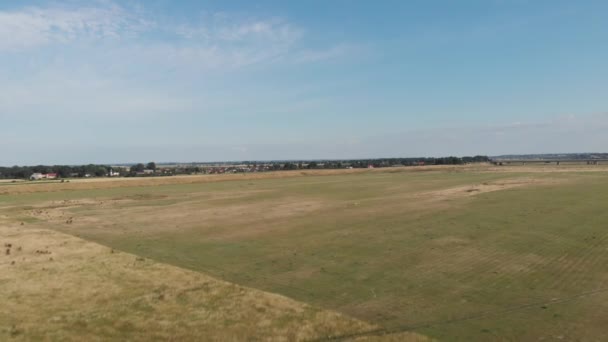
[[471, 252]]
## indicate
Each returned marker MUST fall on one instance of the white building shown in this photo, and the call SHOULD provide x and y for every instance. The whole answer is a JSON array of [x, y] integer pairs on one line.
[[36, 176]]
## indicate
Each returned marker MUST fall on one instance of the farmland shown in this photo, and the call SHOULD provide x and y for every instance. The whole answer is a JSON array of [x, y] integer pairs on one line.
[[455, 253]]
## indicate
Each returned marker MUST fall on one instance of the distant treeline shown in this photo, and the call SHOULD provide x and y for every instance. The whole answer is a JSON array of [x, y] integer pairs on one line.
[[91, 170], [62, 171], [554, 156], [364, 163]]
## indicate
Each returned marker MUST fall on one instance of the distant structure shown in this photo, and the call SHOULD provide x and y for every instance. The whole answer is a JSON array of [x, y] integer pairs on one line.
[[37, 176]]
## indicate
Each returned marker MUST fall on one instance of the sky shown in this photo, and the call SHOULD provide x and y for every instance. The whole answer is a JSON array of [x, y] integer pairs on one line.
[[158, 80]]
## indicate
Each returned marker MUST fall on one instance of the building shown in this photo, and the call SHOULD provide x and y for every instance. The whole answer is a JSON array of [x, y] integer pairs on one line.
[[37, 176]]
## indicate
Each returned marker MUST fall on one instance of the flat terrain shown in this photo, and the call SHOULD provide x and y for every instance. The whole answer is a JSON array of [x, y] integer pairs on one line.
[[58, 287], [454, 253]]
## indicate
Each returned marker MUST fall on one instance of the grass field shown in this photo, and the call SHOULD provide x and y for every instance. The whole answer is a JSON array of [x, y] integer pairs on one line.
[[454, 253], [56, 287]]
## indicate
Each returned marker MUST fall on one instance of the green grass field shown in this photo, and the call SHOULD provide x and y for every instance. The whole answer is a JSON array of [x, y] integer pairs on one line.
[[455, 254]]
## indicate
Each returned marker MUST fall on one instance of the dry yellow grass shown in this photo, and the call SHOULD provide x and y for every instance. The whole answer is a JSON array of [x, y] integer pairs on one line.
[[58, 287]]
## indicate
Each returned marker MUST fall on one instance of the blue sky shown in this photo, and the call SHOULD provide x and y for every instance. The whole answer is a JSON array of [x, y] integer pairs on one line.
[[128, 81]]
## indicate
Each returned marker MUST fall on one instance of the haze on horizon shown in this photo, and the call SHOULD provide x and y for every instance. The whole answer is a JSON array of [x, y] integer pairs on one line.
[[115, 82]]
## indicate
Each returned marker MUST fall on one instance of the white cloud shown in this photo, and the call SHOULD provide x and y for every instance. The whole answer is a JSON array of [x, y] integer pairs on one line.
[[105, 60], [211, 41], [34, 26], [230, 41]]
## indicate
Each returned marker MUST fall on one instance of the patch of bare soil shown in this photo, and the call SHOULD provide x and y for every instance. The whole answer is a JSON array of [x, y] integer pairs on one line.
[[476, 189], [248, 219], [59, 211], [236, 220]]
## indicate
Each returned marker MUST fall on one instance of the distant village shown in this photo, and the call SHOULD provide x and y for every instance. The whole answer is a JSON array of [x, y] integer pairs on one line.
[[152, 169]]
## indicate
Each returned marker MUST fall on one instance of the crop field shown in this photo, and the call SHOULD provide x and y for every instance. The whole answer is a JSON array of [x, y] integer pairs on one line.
[[452, 253]]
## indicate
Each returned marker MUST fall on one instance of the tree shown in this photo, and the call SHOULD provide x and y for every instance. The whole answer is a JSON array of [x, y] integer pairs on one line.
[[100, 171], [289, 166], [64, 171], [138, 168], [151, 166]]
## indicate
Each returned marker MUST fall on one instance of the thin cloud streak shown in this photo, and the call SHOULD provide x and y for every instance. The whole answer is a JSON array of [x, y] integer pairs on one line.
[[94, 61], [219, 40], [34, 26]]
